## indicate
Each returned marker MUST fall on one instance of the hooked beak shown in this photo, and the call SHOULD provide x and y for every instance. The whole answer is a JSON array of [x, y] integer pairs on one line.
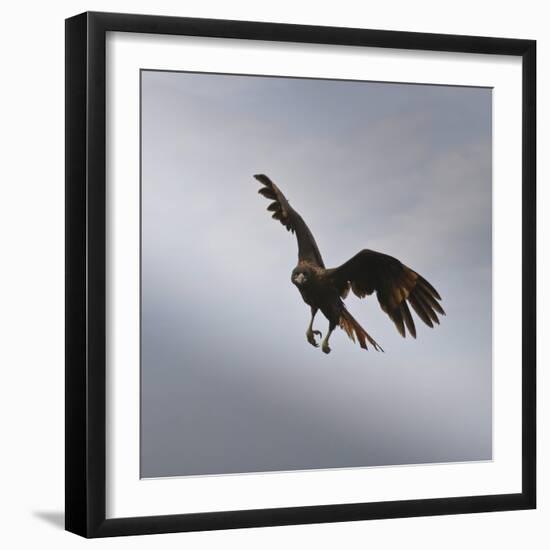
[[299, 279]]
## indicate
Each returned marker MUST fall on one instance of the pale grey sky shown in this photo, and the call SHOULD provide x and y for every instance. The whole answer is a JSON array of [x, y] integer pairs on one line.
[[229, 383]]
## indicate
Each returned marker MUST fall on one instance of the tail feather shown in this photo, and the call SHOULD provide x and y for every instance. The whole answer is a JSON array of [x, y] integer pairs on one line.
[[354, 330]]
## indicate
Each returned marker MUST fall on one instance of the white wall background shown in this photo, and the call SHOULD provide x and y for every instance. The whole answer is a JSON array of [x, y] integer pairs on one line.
[[31, 278]]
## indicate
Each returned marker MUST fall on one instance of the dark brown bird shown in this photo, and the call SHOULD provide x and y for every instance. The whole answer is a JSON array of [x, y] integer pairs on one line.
[[395, 284]]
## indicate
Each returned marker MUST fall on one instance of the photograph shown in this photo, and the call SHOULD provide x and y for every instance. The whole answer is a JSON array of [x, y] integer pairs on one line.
[[315, 274], [272, 275]]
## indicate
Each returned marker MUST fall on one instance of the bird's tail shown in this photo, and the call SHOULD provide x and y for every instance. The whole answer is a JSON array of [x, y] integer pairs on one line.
[[354, 330]]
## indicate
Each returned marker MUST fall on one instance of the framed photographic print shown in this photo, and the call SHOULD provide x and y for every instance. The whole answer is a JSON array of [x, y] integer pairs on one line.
[[300, 274]]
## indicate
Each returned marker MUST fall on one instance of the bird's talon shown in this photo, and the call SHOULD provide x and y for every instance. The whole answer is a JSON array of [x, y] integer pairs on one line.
[[318, 332], [311, 338], [326, 348]]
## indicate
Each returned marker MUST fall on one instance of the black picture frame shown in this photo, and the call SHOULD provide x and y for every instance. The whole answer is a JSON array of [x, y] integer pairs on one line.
[[86, 284]]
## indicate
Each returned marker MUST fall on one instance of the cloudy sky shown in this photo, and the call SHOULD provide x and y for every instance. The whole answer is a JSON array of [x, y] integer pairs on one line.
[[229, 382]]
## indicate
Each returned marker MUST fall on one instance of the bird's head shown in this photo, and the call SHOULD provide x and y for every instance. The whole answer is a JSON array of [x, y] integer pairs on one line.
[[301, 276]]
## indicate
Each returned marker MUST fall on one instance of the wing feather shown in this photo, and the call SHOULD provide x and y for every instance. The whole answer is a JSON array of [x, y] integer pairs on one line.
[[283, 212], [408, 318], [396, 285]]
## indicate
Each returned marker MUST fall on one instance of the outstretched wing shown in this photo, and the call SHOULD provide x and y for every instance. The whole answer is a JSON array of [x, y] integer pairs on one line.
[[396, 286], [282, 211]]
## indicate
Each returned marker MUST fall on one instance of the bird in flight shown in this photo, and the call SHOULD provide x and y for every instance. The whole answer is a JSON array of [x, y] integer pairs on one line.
[[396, 285]]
